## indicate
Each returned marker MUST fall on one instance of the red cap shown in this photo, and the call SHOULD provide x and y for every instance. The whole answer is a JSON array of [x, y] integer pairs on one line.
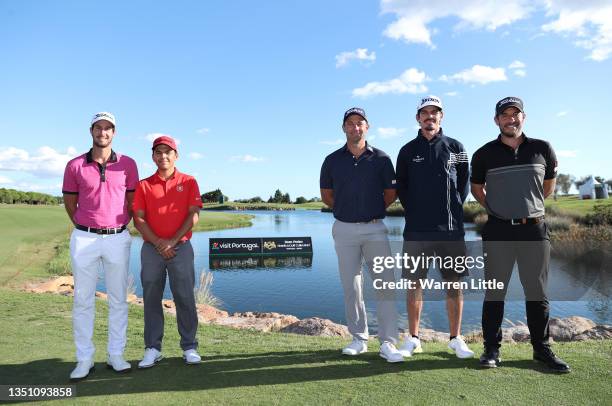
[[166, 140]]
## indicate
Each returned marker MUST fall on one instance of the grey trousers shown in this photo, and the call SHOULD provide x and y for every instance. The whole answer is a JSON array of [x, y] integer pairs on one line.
[[181, 273], [354, 242]]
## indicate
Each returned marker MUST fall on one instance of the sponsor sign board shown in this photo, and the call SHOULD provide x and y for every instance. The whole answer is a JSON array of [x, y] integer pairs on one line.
[[260, 246]]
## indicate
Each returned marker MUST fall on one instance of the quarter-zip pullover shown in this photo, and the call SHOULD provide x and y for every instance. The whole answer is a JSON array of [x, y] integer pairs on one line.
[[432, 184]]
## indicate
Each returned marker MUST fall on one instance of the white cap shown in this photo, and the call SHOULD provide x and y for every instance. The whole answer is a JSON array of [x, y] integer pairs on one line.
[[430, 100], [103, 115]]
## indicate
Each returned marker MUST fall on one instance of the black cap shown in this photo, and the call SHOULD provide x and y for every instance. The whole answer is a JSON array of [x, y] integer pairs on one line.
[[506, 102], [355, 110]]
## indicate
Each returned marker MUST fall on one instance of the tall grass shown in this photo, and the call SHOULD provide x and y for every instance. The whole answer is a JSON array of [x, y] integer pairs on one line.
[[60, 263], [203, 292]]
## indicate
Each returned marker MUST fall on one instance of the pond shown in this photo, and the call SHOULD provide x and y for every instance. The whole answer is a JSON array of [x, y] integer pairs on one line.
[[311, 287]]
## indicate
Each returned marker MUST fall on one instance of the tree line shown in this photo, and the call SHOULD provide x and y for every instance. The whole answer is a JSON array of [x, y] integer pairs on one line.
[[565, 182], [215, 196], [12, 196]]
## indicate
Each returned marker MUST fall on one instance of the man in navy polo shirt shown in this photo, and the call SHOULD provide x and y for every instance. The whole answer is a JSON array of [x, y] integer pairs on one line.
[[432, 184], [358, 183], [511, 177]]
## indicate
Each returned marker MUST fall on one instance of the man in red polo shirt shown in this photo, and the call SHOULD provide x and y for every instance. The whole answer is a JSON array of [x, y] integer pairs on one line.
[[98, 190], [166, 207]]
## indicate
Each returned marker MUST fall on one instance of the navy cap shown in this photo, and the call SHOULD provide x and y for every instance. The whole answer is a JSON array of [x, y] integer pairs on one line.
[[355, 110], [506, 102]]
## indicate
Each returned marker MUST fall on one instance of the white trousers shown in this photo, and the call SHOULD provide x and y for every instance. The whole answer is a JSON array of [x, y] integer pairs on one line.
[[89, 252]]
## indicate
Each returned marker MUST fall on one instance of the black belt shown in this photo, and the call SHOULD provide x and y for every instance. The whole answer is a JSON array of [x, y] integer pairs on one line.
[[518, 222], [100, 230]]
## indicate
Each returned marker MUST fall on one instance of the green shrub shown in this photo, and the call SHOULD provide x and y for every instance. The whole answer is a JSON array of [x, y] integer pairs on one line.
[[601, 215], [60, 264], [471, 210], [395, 210]]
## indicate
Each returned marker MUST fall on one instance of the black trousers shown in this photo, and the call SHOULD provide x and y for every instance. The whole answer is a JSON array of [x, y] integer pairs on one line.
[[529, 246]]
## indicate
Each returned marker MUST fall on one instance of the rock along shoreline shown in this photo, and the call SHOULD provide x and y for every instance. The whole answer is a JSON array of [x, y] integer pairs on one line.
[[574, 328]]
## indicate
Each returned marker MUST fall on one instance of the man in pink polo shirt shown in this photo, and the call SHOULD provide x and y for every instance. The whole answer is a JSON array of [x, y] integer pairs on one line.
[[98, 191]]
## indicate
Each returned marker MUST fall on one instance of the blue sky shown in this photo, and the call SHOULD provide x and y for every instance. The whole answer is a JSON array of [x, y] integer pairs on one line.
[[255, 91]]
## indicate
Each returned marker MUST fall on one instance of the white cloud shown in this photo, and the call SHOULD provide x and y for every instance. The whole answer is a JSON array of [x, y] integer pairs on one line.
[[45, 162], [414, 16], [195, 155], [416, 127], [567, 153], [390, 132], [203, 130], [152, 136], [477, 74], [410, 29], [246, 158], [360, 54], [5, 181], [590, 21], [411, 81], [562, 113], [338, 141], [36, 187], [517, 65], [518, 68], [452, 94]]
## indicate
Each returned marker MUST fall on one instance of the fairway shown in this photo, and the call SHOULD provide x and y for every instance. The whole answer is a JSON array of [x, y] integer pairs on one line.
[[249, 367], [575, 205], [31, 233]]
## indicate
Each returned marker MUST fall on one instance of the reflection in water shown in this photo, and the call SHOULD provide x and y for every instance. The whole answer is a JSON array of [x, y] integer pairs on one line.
[[241, 262], [311, 287], [600, 305], [396, 231]]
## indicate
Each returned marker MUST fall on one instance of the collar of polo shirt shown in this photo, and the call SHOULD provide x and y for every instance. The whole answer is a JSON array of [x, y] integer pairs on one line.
[[367, 146], [89, 156]]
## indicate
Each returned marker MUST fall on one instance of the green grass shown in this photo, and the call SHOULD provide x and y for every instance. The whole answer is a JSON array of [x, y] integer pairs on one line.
[[574, 205], [248, 367], [35, 240], [263, 206], [29, 237], [243, 367], [215, 221]]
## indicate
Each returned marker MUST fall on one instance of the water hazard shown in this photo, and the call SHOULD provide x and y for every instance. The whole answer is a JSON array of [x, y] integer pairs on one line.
[[310, 286]]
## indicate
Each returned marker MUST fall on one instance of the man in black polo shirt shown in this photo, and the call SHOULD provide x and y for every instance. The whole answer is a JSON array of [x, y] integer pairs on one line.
[[358, 183], [511, 176]]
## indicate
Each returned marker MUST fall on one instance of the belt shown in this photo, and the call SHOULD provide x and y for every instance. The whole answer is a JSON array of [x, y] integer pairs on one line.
[[518, 222], [368, 222], [100, 230]]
